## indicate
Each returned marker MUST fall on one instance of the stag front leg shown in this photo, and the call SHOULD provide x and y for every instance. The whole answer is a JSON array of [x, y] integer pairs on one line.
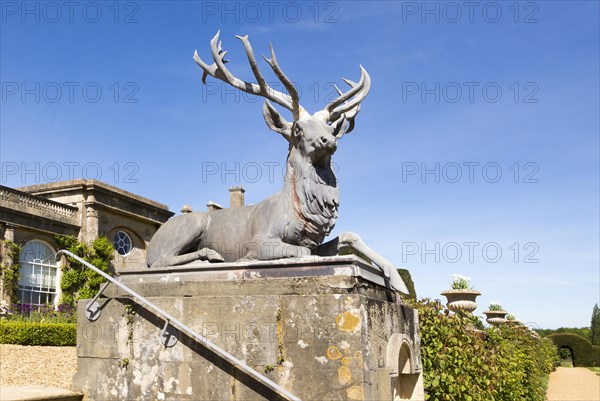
[[352, 240], [262, 248], [205, 254]]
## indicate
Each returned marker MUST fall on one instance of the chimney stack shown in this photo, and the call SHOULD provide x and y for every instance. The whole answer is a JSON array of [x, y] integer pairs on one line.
[[212, 206], [236, 197]]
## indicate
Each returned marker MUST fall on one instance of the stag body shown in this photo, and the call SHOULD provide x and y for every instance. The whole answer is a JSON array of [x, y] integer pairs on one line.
[[293, 222]]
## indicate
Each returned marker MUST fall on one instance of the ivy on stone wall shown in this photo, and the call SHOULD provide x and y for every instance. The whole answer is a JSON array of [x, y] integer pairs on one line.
[[77, 281], [9, 268], [497, 364]]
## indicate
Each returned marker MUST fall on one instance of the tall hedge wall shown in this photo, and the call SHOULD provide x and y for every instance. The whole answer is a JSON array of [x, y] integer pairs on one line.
[[584, 353]]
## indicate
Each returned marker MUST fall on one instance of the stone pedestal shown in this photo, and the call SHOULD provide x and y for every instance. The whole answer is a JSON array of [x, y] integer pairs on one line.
[[323, 328]]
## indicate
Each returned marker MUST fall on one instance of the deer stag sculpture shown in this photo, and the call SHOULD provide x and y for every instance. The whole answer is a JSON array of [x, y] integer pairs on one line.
[[295, 221]]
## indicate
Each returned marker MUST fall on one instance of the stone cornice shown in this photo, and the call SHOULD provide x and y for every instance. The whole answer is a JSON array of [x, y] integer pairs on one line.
[[89, 185], [105, 196]]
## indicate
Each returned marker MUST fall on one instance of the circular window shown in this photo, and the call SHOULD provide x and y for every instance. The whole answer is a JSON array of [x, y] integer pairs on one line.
[[122, 243]]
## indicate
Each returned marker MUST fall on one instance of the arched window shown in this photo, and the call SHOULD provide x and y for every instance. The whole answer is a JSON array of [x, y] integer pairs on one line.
[[38, 281]]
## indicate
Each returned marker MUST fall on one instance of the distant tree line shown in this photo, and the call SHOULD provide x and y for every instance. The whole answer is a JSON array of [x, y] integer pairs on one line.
[[584, 332], [592, 333]]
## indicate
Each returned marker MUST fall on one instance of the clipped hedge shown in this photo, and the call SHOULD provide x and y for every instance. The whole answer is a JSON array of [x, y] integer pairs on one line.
[[584, 353], [410, 284], [36, 333], [497, 364]]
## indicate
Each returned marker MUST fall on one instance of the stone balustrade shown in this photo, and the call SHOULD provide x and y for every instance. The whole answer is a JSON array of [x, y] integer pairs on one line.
[[44, 206]]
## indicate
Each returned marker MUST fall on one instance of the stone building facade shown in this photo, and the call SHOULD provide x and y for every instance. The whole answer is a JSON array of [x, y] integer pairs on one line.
[[31, 217]]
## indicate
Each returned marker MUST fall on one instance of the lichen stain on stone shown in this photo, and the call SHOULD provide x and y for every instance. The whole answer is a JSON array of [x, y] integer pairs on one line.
[[347, 360], [245, 305], [172, 385], [356, 360], [144, 374], [348, 322], [355, 393], [333, 353], [184, 377], [321, 359], [286, 379], [344, 375]]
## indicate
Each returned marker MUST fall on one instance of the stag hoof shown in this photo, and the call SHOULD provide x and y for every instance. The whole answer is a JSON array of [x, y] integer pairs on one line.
[[292, 251], [348, 239], [210, 254]]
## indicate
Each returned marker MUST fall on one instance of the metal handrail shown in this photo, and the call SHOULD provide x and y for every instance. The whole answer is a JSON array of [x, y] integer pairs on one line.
[[183, 327]]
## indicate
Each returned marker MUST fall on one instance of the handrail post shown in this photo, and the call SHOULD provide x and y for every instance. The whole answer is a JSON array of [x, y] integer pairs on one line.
[[92, 309]]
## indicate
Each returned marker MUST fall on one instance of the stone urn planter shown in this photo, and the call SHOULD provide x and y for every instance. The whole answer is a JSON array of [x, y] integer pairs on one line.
[[460, 301], [496, 317]]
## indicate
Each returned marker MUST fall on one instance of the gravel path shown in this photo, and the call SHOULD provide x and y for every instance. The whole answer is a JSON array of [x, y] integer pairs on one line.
[[55, 367], [46, 366], [573, 384]]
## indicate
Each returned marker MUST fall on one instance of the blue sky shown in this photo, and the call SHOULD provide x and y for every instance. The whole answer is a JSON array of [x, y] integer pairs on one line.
[[497, 103]]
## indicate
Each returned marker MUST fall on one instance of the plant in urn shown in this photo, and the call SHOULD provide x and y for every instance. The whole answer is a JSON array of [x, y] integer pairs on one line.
[[496, 315], [461, 298]]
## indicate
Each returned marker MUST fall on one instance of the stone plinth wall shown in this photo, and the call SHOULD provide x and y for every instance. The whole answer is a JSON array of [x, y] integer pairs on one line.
[[318, 327]]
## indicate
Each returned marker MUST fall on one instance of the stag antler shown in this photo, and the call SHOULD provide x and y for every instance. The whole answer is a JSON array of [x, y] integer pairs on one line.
[[347, 104], [219, 71]]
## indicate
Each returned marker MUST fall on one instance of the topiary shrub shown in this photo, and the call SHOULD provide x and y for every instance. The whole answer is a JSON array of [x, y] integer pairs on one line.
[[410, 285], [584, 353], [497, 364], [34, 333]]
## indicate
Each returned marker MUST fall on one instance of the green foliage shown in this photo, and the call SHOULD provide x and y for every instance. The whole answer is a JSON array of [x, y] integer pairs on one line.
[[77, 281], [460, 282], [495, 306], [565, 353], [42, 314], [595, 326], [35, 333], [478, 323], [410, 285], [584, 332], [9, 268], [584, 353], [352, 251], [498, 364]]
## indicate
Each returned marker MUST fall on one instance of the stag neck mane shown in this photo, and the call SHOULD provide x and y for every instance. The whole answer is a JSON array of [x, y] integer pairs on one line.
[[315, 196]]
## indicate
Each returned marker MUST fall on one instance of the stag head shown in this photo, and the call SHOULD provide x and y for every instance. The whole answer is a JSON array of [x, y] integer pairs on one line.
[[316, 135]]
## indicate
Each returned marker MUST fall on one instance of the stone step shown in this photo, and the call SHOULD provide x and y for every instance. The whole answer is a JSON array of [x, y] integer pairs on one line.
[[38, 393]]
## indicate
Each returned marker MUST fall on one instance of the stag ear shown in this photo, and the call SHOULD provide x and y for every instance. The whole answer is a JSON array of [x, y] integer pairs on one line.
[[339, 127], [275, 121]]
